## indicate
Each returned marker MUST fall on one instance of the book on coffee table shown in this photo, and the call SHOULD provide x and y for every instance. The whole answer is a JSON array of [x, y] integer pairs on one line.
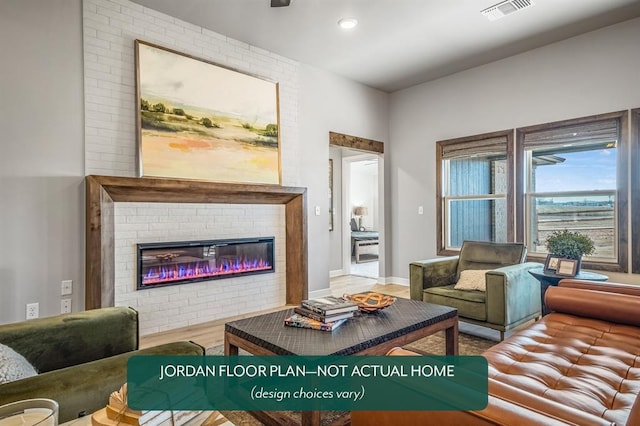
[[330, 305], [300, 321], [319, 317]]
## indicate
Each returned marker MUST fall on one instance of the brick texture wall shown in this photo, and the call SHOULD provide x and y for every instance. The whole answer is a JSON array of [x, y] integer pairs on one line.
[[166, 308], [109, 30]]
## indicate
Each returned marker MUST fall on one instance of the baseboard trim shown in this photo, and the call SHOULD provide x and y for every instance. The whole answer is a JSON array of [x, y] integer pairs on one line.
[[336, 273], [320, 293], [394, 280]]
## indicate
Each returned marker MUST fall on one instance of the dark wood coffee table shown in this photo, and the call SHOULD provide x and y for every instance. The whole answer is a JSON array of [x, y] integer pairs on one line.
[[365, 334]]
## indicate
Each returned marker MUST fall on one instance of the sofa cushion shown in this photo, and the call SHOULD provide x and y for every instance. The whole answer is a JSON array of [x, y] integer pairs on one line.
[[64, 340], [470, 304], [472, 279], [14, 366]]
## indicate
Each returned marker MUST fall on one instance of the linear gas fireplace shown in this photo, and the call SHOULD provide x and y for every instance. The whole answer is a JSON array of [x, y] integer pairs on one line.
[[162, 264]]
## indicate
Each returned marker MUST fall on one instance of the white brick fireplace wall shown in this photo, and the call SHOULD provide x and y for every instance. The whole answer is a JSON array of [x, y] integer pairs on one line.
[[185, 304], [109, 30]]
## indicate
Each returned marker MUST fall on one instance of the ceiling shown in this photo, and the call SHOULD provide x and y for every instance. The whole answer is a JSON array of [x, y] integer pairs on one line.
[[397, 43]]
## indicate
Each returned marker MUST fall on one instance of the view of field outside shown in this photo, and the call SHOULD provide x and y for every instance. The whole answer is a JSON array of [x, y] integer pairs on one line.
[[575, 205]]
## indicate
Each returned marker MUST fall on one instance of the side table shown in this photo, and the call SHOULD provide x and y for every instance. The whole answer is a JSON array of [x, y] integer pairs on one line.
[[547, 279]]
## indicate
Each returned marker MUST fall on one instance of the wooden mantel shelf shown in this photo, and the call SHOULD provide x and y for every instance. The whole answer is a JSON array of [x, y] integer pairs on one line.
[[103, 191]]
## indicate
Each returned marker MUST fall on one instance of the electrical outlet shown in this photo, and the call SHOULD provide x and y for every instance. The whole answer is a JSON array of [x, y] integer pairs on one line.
[[33, 310], [65, 306], [66, 288]]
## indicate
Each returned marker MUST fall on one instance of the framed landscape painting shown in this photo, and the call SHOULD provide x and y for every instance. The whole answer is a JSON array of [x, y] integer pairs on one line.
[[198, 120]]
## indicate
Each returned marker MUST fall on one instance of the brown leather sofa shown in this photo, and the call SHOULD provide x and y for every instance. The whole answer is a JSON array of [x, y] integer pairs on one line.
[[578, 365]]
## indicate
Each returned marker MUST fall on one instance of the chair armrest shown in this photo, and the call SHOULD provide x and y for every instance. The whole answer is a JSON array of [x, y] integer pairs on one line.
[[435, 272], [610, 287], [512, 293]]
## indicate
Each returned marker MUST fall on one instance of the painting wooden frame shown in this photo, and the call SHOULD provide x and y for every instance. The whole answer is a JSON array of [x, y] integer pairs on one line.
[[202, 121]]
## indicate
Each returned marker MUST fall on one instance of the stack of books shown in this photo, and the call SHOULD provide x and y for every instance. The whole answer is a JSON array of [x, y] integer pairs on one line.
[[327, 313]]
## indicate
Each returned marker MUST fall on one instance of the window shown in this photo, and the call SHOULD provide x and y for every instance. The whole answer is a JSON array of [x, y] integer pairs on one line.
[[572, 175], [474, 190]]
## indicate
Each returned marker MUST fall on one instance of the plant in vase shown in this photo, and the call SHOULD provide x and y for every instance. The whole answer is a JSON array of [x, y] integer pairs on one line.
[[569, 245]]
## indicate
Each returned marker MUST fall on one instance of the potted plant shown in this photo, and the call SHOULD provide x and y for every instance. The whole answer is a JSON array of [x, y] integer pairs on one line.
[[569, 245]]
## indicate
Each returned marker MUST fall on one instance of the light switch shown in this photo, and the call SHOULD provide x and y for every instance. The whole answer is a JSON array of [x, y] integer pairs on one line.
[[66, 287], [420, 210], [317, 210]]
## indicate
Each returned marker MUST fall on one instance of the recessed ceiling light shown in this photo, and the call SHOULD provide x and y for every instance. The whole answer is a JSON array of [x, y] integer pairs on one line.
[[348, 23]]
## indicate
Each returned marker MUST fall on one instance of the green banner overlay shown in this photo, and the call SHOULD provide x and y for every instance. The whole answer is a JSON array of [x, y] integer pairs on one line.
[[306, 383]]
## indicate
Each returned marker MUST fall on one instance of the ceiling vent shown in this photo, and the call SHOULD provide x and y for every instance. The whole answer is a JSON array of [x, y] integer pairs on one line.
[[280, 3], [505, 8]]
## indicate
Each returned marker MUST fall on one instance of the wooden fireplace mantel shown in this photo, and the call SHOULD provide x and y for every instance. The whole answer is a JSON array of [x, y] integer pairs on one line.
[[103, 191]]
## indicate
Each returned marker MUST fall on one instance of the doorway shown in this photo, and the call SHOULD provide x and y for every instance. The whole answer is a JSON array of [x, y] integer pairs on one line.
[[357, 240], [361, 210]]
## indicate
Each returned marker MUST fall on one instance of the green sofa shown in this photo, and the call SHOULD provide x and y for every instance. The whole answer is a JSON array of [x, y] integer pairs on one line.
[[80, 357], [512, 295]]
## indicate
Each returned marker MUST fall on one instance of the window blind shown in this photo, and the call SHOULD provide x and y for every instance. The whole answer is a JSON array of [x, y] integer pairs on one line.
[[477, 148], [591, 135]]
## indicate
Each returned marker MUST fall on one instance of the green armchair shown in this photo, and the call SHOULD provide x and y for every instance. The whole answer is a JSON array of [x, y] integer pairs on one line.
[[512, 295]]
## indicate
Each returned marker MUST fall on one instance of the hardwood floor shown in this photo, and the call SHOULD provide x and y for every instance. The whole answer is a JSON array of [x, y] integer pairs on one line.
[[212, 333]]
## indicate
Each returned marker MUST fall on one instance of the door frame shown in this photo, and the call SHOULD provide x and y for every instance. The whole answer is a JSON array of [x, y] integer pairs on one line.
[[368, 147]]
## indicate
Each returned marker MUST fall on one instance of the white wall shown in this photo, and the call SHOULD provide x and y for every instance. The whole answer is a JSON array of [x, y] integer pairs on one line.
[[41, 155], [110, 28], [364, 191], [331, 103], [590, 74]]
